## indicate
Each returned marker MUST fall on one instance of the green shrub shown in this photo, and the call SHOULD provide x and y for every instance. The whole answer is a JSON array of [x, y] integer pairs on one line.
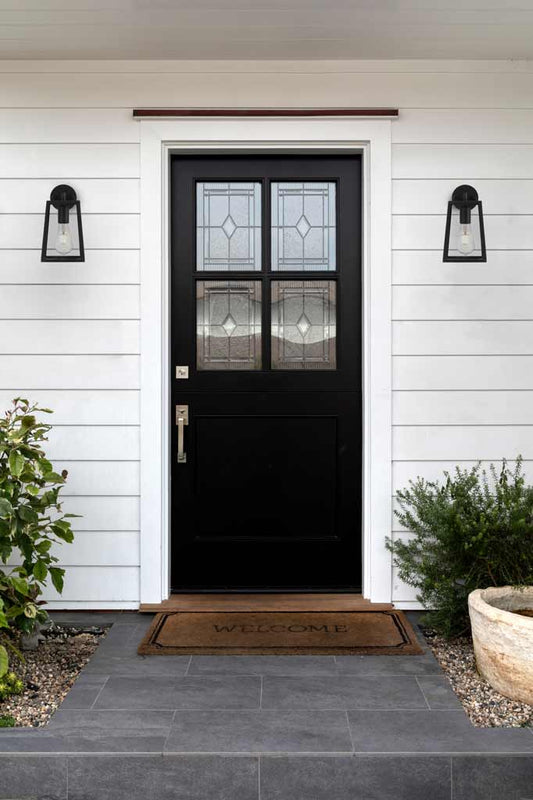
[[469, 532], [7, 721], [31, 520]]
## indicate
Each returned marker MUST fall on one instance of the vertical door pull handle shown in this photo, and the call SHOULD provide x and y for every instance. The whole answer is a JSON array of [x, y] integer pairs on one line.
[[182, 419]]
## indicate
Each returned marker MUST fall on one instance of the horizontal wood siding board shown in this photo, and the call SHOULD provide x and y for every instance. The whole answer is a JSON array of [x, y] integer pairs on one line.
[[93, 443], [100, 266], [471, 126], [101, 585], [100, 478], [454, 161], [458, 337], [462, 302], [30, 373], [69, 301], [67, 126], [51, 336], [96, 196], [118, 231], [423, 196], [461, 442], [264, 112], [84, 406], [75, 160], [462, 372], [462, 408], [426, 232], [506, 267], [95, 549], [103, 513]]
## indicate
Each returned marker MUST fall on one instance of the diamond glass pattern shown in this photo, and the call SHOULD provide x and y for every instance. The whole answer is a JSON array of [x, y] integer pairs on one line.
[[303, 226], [228, 226], [303, 325], [228, 322]]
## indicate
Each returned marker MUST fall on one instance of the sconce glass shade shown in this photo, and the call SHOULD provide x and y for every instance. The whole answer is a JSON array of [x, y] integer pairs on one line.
[[464, 238], [63, 232]]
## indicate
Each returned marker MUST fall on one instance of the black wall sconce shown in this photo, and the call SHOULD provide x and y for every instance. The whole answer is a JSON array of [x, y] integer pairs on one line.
[[461, 242], [61, 241]]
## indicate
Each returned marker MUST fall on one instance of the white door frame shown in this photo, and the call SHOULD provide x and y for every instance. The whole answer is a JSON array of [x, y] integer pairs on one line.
[[159, 138]]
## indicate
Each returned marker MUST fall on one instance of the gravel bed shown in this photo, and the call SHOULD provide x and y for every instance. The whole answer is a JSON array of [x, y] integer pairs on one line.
[[49, 672], [485, 707]]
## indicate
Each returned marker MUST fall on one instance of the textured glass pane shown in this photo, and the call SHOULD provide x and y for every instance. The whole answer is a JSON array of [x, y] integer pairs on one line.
[[228, 322], [228, 226], [303, 226], [303, 325]]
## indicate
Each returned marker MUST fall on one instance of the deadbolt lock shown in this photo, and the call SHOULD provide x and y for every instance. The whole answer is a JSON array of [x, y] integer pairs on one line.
[[182, 373]]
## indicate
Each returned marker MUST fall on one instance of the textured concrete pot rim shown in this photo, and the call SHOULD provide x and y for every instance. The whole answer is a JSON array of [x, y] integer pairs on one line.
[[484, 601]]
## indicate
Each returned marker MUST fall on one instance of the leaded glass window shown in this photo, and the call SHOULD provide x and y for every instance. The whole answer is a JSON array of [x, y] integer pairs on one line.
[[228, 321], [228, 226], [303, 325], [303, 226]]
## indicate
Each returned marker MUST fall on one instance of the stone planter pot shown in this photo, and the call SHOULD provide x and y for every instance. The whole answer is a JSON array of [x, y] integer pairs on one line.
[[503, 641]]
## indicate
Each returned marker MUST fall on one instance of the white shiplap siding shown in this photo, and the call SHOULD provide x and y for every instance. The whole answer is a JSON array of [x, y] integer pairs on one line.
[[462, 333], [69, 333]]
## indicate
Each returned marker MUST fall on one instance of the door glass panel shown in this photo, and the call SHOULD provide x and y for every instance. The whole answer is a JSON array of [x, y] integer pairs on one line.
[[303, 325], [228, 226], [228, 322], [303, 226]]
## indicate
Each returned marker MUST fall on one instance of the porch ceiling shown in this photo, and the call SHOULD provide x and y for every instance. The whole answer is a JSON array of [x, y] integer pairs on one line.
[[266, 29]]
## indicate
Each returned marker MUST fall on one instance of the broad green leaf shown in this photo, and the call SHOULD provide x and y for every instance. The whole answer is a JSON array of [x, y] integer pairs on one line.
[[6, 509], [16, 463], [4, 661], [3, 620], [40, 570], [56, 573]]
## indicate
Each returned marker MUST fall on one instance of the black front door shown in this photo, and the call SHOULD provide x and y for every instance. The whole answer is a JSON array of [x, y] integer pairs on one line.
[[266, 321]]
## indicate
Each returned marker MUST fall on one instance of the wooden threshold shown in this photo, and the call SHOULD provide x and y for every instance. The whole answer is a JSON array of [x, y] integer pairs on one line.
[[265, 602]]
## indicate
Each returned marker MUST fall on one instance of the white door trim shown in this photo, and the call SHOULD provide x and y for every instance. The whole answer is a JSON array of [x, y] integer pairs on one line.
[[158, 138]]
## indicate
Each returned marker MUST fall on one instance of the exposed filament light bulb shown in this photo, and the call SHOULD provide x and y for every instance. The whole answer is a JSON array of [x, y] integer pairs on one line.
[[63, 242], [465, 242]]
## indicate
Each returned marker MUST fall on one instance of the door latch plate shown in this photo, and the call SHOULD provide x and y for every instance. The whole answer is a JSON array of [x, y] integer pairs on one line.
[[182, 373]]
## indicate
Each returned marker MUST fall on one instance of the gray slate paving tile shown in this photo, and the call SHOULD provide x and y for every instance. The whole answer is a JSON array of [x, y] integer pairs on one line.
[[388, 665], [137, 665], [438, 692], [278, 731], [33, 777], [425, 731], [263, 665], [189, 692], [86, 740], [83, 694], [355, 778], [163, 777], [346, 691], [492, 778], [105, 720]]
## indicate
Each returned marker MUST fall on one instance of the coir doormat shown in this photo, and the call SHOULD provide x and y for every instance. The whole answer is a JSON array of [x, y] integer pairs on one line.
[[280, 633]]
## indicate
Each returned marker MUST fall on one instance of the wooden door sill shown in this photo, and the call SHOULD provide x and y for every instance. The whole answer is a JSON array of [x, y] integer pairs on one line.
[[265, 602]]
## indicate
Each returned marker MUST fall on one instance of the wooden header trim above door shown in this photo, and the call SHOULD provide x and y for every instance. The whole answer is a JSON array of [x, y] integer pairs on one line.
[[139, 113]]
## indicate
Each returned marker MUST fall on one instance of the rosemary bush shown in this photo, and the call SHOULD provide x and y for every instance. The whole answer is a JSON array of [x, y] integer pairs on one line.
[[469, 532]]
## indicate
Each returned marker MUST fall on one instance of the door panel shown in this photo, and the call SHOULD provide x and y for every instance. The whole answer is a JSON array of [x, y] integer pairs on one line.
[[266, 315]]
